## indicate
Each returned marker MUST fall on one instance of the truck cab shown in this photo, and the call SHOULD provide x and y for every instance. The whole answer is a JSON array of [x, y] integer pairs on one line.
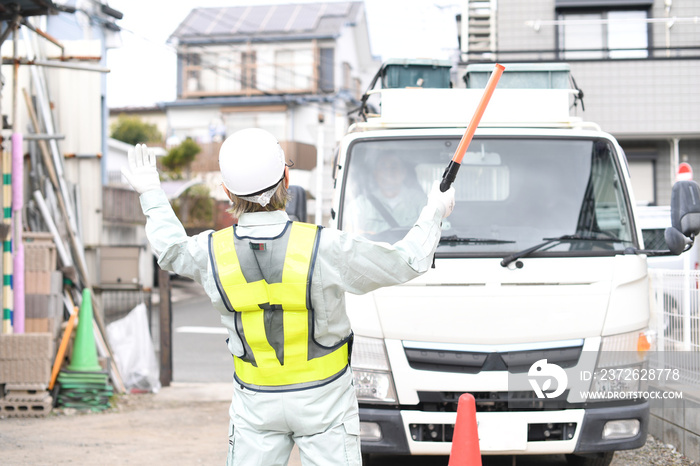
[[541, 262]]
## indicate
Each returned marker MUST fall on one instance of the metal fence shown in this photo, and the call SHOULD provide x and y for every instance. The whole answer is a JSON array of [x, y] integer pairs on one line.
[[116, 301], [675, 319]]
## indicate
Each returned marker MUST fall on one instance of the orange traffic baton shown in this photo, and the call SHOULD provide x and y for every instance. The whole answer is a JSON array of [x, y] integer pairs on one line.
[[450, 173]]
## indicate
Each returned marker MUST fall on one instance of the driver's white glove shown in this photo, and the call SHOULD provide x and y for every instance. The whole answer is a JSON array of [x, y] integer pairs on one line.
[[444, 202], [142, 174]]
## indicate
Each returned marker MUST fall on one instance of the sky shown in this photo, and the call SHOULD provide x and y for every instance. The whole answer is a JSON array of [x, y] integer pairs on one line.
[[143, 69]]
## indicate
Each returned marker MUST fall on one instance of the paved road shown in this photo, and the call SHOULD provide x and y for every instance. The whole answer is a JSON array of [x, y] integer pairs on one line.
[[199, 343]]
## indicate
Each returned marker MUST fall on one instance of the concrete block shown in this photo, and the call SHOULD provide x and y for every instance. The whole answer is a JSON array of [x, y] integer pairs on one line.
[[37, 282], [37, 306], [36, 387], [26, 346], [39, 251], [692, 416], [26, 395], [25, 371], [26, 408], [44, 325], [675, 436], [656, 408], [692, 446], [57, 283], [673, 411], [656, 426]]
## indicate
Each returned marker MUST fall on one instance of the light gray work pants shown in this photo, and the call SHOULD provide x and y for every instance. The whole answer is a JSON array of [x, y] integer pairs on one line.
[[323, 422]]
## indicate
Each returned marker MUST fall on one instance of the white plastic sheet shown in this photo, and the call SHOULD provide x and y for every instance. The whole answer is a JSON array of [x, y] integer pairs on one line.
[[134, 352]]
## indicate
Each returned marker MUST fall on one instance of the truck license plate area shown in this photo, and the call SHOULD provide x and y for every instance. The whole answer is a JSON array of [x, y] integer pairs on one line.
[[544, 432], [550, 431], [490, 401]]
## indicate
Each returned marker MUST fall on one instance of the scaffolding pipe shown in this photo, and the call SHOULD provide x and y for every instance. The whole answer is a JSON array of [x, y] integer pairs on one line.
[[57, 64], [7, 299], [17, 202], [18, 313], [44, 35], [43, 136], [43, 104], [63, 255]]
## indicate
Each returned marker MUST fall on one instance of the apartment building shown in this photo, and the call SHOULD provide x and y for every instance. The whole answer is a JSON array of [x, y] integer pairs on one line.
[[637, 63]]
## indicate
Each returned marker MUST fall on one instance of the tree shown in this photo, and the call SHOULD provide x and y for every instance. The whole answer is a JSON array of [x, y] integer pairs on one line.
[[181, 156], [195, 208], [133, 130]]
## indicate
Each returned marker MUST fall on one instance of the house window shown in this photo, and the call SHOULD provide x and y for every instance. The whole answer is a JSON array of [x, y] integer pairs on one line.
[[325, 69], [642, 175], [294, 70], [192, 67], [600, 33], [209, 78], [347, 75], [248, 71]]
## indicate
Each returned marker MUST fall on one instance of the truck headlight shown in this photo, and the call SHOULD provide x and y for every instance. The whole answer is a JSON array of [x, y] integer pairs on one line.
[[621, 366], [371, 371]]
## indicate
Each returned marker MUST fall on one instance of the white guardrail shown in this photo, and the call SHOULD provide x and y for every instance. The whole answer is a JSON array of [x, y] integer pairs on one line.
[[675, 318]]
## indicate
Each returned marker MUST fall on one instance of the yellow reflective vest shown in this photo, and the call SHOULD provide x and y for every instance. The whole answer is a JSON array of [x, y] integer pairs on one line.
[[266, 283]]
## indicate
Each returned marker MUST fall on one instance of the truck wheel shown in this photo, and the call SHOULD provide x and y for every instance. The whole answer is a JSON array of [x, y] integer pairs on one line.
[[596, 459]]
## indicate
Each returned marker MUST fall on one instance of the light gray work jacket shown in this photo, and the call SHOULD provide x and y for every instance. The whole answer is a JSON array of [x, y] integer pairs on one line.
[[345, 262]]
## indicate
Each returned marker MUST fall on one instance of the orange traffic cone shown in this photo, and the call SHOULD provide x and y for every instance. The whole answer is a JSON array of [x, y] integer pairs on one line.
[[465, 440]]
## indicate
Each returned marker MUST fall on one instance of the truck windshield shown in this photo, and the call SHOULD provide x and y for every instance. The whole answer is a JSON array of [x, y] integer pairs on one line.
[[511, 194]]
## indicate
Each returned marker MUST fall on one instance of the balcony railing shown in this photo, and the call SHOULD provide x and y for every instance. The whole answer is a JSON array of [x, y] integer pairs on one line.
[[121, 205], [584, 55]]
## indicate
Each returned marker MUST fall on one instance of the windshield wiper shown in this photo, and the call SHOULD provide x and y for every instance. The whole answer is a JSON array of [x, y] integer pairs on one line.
[[457, 239], [560, 239]]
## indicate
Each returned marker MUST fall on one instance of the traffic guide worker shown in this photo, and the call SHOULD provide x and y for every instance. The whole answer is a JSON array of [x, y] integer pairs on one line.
[[279, 287]]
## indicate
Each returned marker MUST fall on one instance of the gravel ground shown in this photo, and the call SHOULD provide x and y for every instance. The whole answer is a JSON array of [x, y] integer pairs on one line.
[[653, 453]]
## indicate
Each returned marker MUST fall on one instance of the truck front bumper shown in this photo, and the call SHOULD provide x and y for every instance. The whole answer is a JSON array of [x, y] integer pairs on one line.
[[404, 432]]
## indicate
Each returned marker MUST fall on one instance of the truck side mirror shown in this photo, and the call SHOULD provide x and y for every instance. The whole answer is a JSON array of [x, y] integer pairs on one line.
[[296, 207], [685, 216]]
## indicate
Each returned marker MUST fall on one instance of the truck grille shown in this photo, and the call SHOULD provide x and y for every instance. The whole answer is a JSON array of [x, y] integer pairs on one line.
[[473, 362]]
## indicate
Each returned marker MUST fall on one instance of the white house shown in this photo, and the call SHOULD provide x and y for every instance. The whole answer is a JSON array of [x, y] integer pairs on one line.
[[295, 70]]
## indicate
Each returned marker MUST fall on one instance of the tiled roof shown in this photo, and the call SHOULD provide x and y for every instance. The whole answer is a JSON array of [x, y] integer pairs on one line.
[[284, 21]]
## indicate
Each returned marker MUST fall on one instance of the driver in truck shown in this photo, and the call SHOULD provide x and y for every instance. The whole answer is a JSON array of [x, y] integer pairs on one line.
[[390, 199]]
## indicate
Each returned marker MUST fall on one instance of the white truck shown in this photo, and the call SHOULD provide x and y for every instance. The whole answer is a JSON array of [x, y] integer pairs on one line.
[[541, 264]]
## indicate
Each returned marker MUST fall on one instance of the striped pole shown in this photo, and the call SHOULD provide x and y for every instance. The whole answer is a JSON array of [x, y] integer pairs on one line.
[[17, 203], [7, 298]]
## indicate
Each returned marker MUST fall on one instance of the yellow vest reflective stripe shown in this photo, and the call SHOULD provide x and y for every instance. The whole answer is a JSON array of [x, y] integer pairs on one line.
[[252, 300]]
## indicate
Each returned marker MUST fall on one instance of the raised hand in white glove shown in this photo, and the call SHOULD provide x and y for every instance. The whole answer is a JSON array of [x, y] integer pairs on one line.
[[444, 202], [142, 174]]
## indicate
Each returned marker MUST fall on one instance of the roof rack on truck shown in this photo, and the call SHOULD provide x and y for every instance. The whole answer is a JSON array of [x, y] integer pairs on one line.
[[397, 73], [532, 95]]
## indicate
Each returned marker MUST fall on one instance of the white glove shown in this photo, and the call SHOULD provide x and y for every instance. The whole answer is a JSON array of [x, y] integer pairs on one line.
[[444, 202], [142, 174]]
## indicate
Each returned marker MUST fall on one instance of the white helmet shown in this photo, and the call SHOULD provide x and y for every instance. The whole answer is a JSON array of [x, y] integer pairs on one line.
[[251, 162]]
